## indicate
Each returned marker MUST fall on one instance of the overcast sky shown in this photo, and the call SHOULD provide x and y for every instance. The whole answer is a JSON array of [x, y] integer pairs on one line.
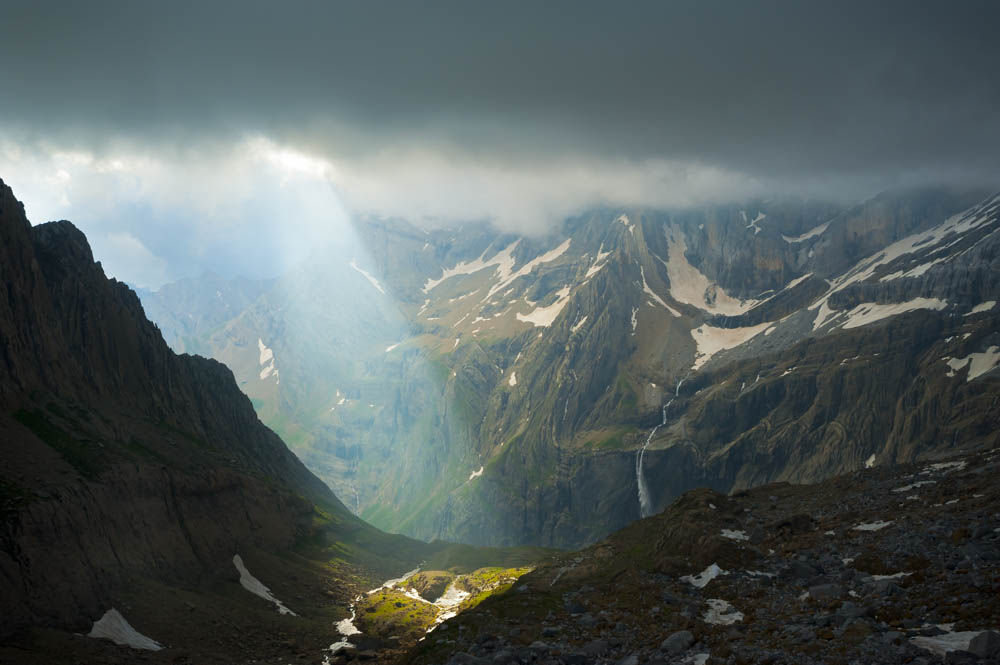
[[229, 135]]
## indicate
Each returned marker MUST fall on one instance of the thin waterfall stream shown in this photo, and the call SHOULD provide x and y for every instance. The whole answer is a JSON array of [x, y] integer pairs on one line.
[[645, 502]]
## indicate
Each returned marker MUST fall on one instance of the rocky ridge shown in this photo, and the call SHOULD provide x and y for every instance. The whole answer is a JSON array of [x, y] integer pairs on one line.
[[887, 565]]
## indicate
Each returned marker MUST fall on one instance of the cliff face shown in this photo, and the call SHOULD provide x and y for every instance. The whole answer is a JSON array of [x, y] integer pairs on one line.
[[118, 458]]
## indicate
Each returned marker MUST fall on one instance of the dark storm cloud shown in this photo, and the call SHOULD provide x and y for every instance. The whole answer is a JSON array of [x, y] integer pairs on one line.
[[770, 89]]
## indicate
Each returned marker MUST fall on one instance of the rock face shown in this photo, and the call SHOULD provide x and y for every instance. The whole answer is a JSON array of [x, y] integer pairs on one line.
[[119, 459], [887, 565], [505, 390]]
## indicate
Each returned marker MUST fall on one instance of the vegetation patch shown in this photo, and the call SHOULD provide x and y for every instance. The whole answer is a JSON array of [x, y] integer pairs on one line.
[[391, 613]]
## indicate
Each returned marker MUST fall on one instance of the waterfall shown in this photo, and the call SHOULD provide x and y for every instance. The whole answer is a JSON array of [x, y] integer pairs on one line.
[[645, 505]]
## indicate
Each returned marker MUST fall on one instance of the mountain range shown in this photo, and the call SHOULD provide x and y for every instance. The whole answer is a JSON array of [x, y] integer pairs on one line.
[[474, 385]]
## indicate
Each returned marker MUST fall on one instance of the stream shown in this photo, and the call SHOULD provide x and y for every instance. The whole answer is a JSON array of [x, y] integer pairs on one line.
[[446, 606]]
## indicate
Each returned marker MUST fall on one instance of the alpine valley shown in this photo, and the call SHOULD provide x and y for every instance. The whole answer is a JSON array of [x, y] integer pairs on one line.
[[471, 385]]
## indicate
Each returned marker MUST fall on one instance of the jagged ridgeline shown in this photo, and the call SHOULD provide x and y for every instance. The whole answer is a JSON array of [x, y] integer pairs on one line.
[[139, 480], [500, 389]]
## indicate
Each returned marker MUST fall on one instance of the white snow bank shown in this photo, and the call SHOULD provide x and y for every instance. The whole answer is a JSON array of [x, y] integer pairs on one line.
[[870, 462], [652, 294], [907, 488], [346, 627], [945, 466], [367, 275], [688, 285], [447, 604], [760, 573], [869, 312], [942, 644], [266, 359], [808, 234], [735, 535], [266, 354], [982, 307], [512, 381], [545, 316], [503, 260], [704, 577], [721, 613], [256, 587], [978, 363], [894, 576], [507, 277], [477, 473], [113, 626], [389, 584], [710, 340], [452, 597], [872, 526], [391, 347], [754, 224], [598, 264]]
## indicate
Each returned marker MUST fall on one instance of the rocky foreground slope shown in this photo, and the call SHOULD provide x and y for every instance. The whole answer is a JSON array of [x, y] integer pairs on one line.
[[897, 565]]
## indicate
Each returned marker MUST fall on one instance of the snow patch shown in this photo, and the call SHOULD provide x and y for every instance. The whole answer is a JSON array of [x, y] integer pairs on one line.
[[627, 222], [513, 379], [870, 462], [710, 340], [942, 644], [256, 587], [907, 488], [578, 325], [389, 584], [756, 221], [598, 263], [364, 273], [735, 535], [721, 613], [982, 307], [266, 359], [689, 286], [704, 577], [872, 526], [870, 312], [477, 473], [391, 347], [894, 576], [812, 233], [545, 316], [978, 363], [649, 292], [113, 626], [945, 467]]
